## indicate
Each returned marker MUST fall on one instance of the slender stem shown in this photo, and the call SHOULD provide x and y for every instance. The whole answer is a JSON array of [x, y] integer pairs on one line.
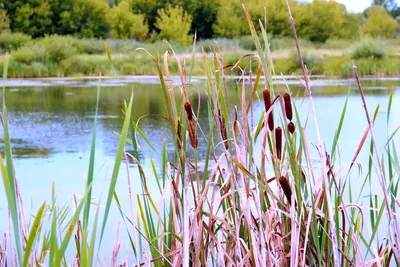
[[321, 147], [378, 167]]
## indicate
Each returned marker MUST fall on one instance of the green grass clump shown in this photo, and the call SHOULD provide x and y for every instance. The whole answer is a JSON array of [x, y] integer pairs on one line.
[[12, 41], [369, 49]]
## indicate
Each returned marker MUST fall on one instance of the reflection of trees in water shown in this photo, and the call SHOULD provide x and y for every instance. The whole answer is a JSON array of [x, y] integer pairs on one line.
[[24, 149], [53, 119]]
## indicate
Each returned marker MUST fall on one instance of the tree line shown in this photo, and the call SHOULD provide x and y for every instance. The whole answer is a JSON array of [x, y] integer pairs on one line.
[[316, 21]]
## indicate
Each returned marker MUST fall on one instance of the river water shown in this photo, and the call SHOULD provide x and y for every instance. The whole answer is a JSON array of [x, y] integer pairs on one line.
[[51, 122]]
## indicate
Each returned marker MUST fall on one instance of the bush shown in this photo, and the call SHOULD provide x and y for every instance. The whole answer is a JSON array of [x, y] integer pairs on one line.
[[27, 55], [174, 24], [89, 46], [12, 41], [313, 62], [125, 24], [379, 23], [57, 48], [369, 49], [247, 43]]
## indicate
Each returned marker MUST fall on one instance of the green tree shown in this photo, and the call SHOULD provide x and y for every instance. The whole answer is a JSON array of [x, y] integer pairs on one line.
[[4, 21], [379, 23], [389, 5], [231, 19], [174, 24], [204, 18], [32, 17], [125, 24], [322, 20]]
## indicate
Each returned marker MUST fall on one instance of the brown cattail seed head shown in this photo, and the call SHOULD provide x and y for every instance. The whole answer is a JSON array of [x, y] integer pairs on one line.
[[194, 140], [291, 127], [224, 132], [268, 105], [283, 181], [178, 133], [278, 142], [288, 106], [236, 124], [188, 109]]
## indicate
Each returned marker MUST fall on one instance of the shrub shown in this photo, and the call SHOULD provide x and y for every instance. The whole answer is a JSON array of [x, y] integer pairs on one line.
[[246, 42], [27, 55], [57, 48], [89, 46], [125, 24], [174, 24], [369, 49], [379, 23], [12, 41], [288, 43], [313, 62]]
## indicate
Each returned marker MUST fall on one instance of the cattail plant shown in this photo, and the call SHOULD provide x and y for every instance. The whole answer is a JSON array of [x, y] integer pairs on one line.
[[284, 182], [236, 124], [288, 106], [222, 127], [178, 134], [194, 140], [278, 142], [291, 127], [268, 105]]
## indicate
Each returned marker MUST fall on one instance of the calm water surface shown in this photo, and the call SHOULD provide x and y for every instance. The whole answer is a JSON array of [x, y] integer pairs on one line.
[[51, 125]]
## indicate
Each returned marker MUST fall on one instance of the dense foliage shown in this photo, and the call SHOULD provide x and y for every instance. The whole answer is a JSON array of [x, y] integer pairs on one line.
[[317, 21]]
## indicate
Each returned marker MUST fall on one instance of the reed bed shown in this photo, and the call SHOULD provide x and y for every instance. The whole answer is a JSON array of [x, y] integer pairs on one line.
[[258, 198]]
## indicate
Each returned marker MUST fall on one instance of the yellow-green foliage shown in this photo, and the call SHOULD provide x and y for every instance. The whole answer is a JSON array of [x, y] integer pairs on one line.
[[322, 20], [316, 21], [4, 21], [379, 23], [125, 24], [230, 17], [174, 24], [12, 41]]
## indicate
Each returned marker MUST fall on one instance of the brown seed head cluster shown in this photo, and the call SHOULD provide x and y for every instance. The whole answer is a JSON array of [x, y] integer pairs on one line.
[[289, 112], [189, 112], [194, 140], [224, 132], [278, 142], [284, 182], [268, 105]]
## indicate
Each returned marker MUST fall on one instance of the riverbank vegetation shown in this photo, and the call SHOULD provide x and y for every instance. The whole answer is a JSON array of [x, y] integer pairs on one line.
[[266, 192], [66, 38]]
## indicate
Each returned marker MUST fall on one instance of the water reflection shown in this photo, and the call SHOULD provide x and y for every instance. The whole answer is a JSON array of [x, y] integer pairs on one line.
[[59, 119]]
